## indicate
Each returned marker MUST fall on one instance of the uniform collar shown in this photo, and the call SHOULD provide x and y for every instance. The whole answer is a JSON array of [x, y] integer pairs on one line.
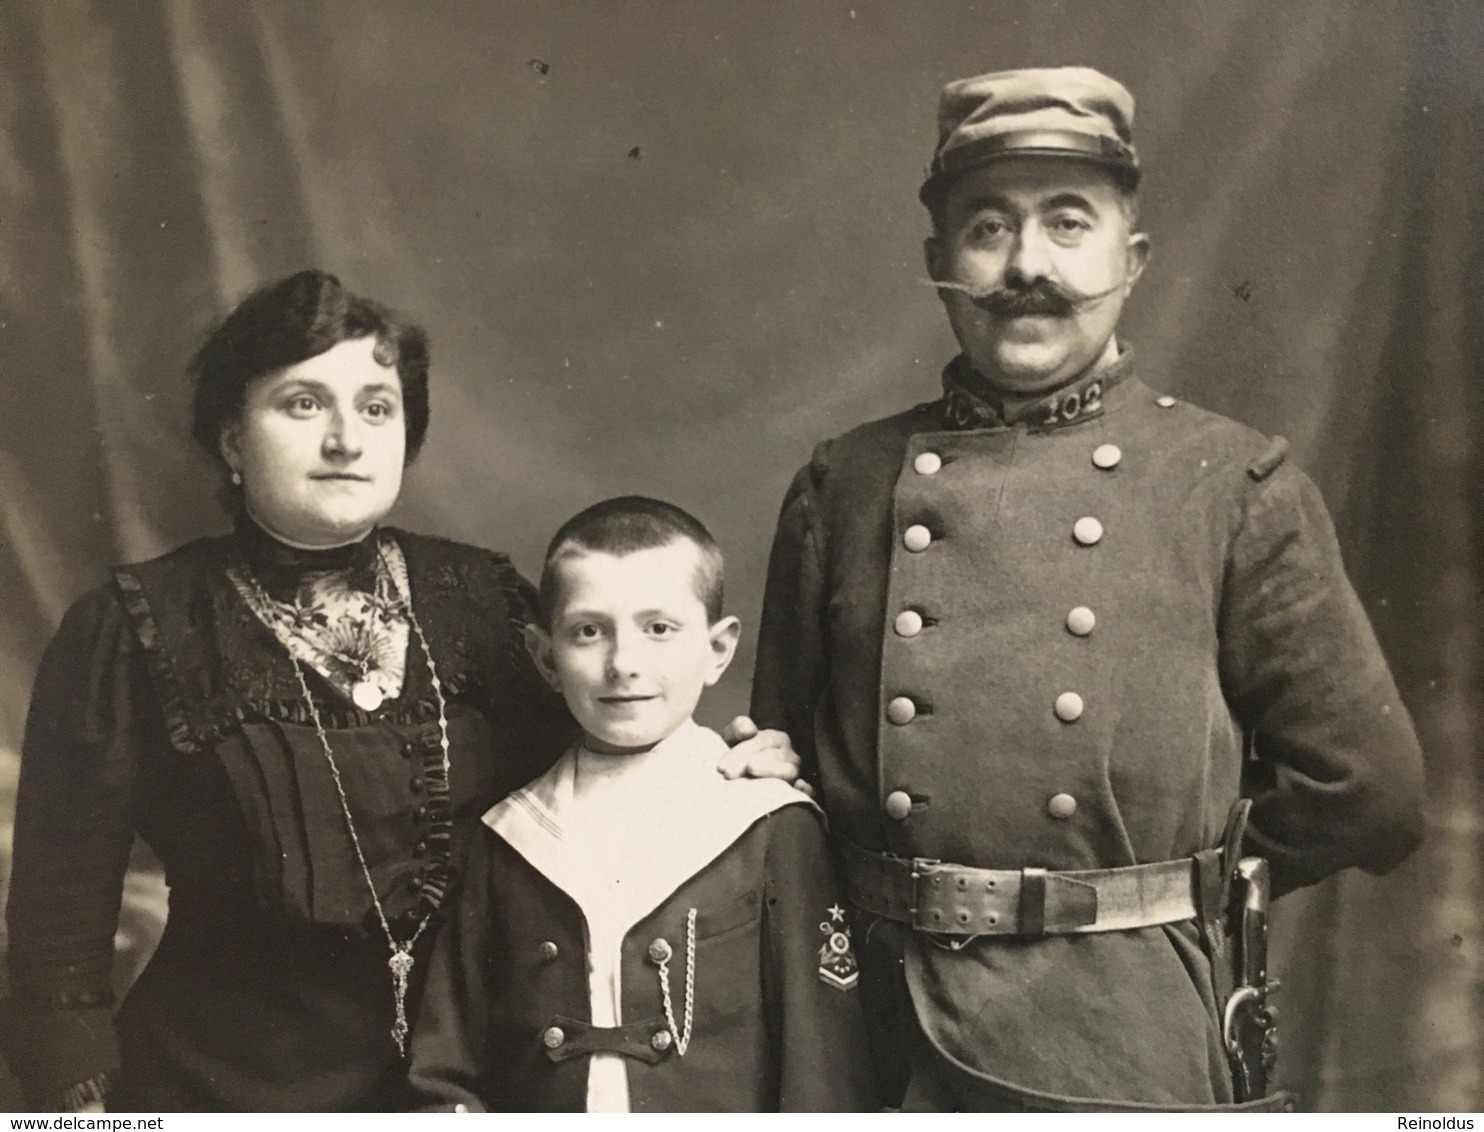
[[969, 402]]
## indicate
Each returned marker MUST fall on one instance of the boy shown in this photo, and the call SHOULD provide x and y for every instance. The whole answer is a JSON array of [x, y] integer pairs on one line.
[[636, 931]]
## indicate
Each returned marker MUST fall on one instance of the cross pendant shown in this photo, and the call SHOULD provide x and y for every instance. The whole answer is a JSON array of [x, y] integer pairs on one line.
[[401, 965]]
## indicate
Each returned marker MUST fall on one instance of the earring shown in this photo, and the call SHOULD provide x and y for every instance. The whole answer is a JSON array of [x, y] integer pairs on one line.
[[236, 478]]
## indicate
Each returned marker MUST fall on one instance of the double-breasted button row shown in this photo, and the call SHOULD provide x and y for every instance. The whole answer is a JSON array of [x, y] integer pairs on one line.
[[1088, 530], [901, 710], [917, 537], [1080, 620]]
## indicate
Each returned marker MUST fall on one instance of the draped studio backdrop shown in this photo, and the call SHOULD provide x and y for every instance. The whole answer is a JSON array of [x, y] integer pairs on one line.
[[664, 246]]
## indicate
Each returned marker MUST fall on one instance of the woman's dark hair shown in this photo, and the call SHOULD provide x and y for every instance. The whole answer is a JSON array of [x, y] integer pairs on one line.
[[290, 321]]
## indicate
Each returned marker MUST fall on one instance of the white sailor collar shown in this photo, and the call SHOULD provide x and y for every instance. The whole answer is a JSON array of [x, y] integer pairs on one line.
[[703, 816]]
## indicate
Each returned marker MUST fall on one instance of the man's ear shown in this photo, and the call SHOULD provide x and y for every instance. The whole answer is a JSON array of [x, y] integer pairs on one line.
[[724, 636], [933, 257], [538, 644], [1137, 253]]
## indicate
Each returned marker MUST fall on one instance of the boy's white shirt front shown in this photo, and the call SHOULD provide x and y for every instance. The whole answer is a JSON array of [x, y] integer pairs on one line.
[[619, 834]]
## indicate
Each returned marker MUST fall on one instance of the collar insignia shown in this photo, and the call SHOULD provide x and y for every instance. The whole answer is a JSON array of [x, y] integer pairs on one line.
[[968, 404]]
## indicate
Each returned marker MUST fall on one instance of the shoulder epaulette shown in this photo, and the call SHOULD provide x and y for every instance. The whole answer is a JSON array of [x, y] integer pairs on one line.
[[1264, 466]]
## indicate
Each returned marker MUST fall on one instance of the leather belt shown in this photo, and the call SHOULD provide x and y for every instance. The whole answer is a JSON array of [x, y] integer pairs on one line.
[[947, 899]]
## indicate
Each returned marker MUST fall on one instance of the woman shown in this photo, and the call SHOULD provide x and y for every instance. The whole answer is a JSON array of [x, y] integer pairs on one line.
[[299, 718]]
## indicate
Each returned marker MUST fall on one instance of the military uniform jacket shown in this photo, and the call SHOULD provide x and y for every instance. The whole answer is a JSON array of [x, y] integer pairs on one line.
[[1044, 644], [738, 899]]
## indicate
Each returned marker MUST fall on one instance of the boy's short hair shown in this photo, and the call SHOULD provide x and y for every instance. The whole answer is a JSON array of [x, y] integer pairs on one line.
[[623, 526]]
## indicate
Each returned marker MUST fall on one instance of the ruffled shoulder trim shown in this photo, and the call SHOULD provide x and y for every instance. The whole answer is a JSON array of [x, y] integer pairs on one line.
[[185, 570], [214, 667]]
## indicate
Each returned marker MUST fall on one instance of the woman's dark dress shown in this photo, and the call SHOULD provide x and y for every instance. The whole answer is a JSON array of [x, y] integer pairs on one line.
[[163, 706]]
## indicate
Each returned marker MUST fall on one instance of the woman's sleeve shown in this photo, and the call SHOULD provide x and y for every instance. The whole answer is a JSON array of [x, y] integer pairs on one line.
[[74, 829], [543, 724], [452, 1067]]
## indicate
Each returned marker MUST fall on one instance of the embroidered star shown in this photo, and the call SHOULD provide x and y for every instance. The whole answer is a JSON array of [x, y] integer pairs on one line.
[[837, 913]]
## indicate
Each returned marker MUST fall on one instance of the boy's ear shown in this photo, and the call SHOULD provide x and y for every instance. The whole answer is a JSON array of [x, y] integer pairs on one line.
[[538, 644], [724, 636]]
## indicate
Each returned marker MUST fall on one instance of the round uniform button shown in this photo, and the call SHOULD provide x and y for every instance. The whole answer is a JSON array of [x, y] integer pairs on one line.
[[901, 711], [917, 538], [1061, 806], [553, 1037], [898, 805], [1081, 620], [1165, 401], [1069, 707], [549, 951], [660, 1040], [1087, 530], [659, 951], [927, 463], [1106, 456], [908, 623], [461, 1108]]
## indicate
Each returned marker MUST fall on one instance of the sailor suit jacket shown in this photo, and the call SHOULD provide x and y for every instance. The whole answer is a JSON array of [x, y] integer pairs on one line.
[[739, 887]]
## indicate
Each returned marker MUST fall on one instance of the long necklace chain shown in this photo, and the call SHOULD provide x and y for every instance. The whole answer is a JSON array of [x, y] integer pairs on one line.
[[401, 960]]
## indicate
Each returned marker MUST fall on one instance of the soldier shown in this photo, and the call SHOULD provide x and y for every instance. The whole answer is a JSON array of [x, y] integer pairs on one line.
[[1036, 639]]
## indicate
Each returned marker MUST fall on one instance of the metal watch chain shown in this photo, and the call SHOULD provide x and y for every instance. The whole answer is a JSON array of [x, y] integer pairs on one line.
[[401, 960], [682, 1036]]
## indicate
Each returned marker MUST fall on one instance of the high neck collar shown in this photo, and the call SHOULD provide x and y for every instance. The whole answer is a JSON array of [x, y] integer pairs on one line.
[[970, 401], [280, 569]]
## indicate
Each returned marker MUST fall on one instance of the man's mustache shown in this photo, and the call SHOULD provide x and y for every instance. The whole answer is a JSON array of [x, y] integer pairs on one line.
[[1041, 299]]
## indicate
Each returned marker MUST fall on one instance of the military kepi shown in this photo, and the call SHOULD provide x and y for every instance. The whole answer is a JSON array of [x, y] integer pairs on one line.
[[1073, 112]]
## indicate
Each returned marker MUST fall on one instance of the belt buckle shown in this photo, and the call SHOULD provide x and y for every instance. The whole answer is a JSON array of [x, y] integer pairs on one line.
[[924, 868], [921, 867]]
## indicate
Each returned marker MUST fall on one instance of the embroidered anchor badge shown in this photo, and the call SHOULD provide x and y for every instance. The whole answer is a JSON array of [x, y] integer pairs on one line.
[[837, 965]]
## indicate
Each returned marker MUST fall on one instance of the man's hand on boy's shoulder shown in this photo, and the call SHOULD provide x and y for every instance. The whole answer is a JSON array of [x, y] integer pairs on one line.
[[760, 754]]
